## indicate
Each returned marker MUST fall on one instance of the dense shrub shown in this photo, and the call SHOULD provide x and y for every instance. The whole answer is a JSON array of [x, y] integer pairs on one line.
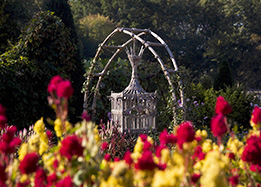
[[44, 50]]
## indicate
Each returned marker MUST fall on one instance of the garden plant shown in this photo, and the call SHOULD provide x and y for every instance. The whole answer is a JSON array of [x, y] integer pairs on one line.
[[75, 155]]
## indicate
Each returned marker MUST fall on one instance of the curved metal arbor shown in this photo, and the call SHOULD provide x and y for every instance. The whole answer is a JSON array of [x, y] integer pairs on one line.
[[136, 34]]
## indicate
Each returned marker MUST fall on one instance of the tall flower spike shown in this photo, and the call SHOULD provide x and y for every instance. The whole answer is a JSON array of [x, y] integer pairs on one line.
[[222, 106]]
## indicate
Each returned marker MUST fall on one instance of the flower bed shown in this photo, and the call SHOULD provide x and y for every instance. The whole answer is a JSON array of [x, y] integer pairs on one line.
[[185, 158]]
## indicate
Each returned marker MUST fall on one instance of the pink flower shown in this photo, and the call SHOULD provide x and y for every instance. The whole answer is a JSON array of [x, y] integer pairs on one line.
[[104, 146], [29, 163], [127, 158], [222, 106], [185, 133], [218, 125], [66, 182], [256, 115], [71, 145], [53, 83], [40, 179], [146, 162], [64, 89]]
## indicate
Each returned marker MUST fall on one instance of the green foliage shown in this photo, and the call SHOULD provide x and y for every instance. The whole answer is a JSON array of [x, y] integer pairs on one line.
[[201, 103], [44, 50]]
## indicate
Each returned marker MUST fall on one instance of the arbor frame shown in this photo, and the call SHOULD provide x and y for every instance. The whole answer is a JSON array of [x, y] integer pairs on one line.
[[134, 33]]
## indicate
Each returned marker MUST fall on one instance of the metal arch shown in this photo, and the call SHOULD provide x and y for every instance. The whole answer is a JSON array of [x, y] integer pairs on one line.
[[131, 32]]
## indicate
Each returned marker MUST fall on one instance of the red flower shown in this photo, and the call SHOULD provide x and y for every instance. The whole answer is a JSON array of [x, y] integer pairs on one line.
[[159, 149], [185, 133], [53, 83], [23, 184], [117, 159], [218, 125], [198, 153], [66, 182], [40, 179], [2, 110], [146, 146], [234, 180], [64, 89], [3, 121], [107, 157], [55, 164], [194, 178], [71, 145], [29, 163], [104, 146], [86, 116], [255, 168], [256, 115], [51, 179], [143, 137], [3, 176], [127, 158], [9, 143], [146, 162], [49, 134], [8, 136], [166, 138], [232, 156], [252, 151], [222, 106]]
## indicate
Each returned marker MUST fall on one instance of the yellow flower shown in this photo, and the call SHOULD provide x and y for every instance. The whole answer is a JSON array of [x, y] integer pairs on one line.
[[165, 156], [58, 127], [23, 178], [202, 133], [23, 150], [207, 146], [171, 177], [34, 143], [213, 174], [44, 138], [39, 126], [48, 160], [43, 148], [235, 146]]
